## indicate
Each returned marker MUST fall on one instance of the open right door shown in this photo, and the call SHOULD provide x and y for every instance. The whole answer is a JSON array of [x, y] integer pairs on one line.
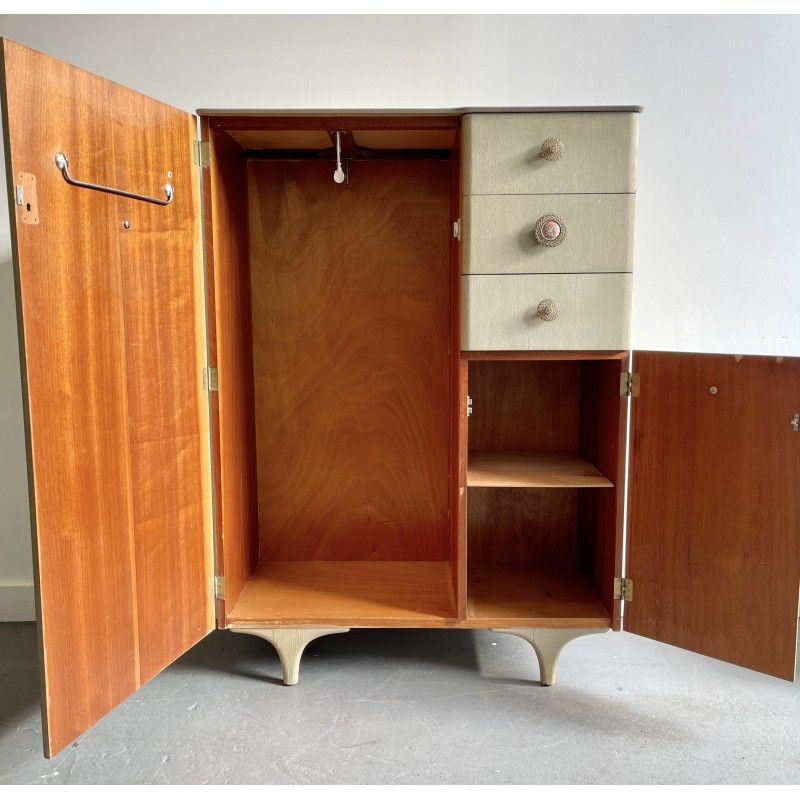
[[714, 507]]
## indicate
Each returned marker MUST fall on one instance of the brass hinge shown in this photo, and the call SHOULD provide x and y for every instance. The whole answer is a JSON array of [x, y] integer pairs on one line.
[[457, 230], [629, 384], [210, 379], [219, 587], [623, 589], [201, 153]]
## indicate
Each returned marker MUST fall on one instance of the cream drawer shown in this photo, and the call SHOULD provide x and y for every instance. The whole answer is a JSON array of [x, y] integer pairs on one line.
[[503, 153], [499, 312], [498, 234]]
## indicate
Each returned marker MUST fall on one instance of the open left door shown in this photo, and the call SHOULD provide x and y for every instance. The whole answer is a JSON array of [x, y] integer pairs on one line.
[[714, 507], [111, 309]]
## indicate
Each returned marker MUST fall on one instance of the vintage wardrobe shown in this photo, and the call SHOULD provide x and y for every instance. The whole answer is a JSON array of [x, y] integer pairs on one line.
[[266, 399]]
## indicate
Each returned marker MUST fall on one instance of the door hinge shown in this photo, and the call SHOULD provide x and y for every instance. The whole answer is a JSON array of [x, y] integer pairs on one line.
[[469, 406], [202, 153], [19, 193], [219, 587], [629, 384], [210, 379], [623, 589], [457, 229]]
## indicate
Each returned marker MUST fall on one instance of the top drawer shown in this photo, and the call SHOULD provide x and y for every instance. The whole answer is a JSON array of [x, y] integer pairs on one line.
[[503, 153]]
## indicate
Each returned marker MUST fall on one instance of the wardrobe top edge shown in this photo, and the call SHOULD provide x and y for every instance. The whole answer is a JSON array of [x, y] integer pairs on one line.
[[437, 112]]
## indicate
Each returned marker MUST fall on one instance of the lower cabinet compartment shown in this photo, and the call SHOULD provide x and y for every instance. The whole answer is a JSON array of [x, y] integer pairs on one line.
[[544, 490], [415, 594]]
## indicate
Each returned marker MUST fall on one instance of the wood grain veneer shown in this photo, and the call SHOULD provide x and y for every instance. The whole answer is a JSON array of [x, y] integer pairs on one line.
[[112, 344], [520, 525], [531, 595], [524, 405], [533, 470], [600, 514], [233, 403], [415, 594], [714, 538], [351, 293]]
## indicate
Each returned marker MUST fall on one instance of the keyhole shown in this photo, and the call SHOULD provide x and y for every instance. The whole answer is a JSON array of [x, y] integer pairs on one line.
[[28, 206]]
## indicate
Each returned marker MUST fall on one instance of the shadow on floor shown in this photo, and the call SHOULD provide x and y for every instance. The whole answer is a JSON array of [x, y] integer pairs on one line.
[[19, 675], [252, 657]]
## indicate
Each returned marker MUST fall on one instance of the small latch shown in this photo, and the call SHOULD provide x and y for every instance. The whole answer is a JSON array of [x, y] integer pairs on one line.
[[202, 153], [210, 379], [796, 422], [457, 229], [623, 589], [469, 406], [629, 384], [19, 193], [219, 587]]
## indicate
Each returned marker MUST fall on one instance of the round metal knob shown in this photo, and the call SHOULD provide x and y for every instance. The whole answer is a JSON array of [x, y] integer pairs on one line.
[[550, 230], [547, 310], [552, 148]]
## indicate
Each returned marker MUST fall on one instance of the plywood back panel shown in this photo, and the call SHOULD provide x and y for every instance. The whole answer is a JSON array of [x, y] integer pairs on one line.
[[233, 405], [113, 341], [524, 405], [714, 537], [532, 525], [351, 293]]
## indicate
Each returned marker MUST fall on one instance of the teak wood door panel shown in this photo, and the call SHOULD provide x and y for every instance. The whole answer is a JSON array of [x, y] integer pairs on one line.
[[112, 332], [714, 530]]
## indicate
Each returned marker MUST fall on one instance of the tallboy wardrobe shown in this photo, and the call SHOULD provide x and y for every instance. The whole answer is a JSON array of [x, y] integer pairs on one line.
[[294, 373]]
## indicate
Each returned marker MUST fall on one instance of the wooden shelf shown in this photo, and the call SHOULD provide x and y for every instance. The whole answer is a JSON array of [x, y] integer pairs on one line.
[[503, 595], [533, 470], [412, 594]]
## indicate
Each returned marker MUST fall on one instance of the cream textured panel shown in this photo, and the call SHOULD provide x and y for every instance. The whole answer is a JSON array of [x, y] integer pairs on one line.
[[499, 312], [498, 233], [502, 153]]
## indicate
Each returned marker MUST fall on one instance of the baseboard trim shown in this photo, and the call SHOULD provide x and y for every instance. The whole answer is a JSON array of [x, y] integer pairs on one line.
[[17, 603]]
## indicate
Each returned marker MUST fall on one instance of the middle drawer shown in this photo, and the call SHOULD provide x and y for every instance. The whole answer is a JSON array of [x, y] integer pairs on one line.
[[595, 233]]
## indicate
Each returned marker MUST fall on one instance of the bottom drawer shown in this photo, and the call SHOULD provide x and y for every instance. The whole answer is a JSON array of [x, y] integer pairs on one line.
[[588, 312]]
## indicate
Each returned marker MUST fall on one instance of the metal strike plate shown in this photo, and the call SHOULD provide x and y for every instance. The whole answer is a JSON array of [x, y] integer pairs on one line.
[[25, 195]]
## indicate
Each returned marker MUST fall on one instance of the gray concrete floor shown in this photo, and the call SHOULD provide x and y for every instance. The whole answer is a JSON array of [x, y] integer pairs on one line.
[[378, 706]]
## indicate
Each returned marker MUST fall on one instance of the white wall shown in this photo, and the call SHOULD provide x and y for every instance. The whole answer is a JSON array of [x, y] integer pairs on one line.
[[718, 210]]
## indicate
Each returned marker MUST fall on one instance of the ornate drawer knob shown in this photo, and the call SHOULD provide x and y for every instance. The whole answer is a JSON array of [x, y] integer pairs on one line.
[[552, 148], [550, 230], [547, 310]]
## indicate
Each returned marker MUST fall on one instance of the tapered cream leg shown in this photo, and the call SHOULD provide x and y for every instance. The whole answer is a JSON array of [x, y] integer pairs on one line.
[[548, 644], [290, 643]]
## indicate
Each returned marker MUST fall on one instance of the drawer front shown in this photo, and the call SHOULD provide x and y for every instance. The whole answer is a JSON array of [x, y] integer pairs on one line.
[[503, 153], [499, 233], [499, 312]]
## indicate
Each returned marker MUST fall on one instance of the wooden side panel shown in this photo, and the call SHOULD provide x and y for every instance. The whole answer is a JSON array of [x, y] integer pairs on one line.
[[458, 393], [351, 292], [602, 441], [112, 341], [235, 455], [714, 541]]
